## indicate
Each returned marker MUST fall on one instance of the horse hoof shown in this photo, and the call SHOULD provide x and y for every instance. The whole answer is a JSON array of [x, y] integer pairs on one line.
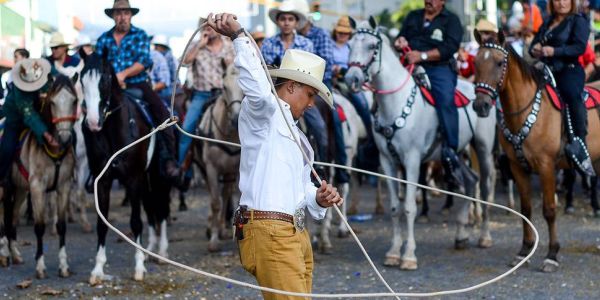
[[422, 219], [461, 244], [213, 247], [225, 235], [41, 274], [392, 261], [327, 250], [208, 233], [408, 265], [569, 210], [550, 266], [517, 260], [64, 273], [183, 207], [86, 227], [95, 280], [379, 210], [3, 261], [342, 234], [485, 243], [138, 276], [17, 260]]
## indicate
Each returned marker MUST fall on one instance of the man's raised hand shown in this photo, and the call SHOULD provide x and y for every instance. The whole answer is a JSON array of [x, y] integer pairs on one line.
[[225, 24]]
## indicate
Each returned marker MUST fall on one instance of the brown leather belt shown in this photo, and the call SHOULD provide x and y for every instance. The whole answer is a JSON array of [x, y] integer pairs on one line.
[[267, 215]]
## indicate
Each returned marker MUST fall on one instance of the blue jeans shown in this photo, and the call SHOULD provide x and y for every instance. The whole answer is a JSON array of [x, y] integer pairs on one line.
[[443, 84], [362, 108], [192, 116]]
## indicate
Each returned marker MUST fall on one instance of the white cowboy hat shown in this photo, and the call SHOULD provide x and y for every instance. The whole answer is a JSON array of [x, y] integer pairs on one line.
[[83, 40], [161, 39], [304, 67], [295, 7], [121, 5], [30, 74], [57, 40]]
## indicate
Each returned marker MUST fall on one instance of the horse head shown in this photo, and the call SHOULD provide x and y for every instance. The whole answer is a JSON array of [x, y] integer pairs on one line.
[[62, 100], [491, 65], [365, 53], [97, 81], [233, 94]]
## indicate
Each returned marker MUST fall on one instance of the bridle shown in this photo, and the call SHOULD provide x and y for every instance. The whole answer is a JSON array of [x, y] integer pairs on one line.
[[482, 87], [377, 56]]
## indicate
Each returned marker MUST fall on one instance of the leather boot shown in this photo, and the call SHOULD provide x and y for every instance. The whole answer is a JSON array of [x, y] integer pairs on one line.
[[579, 156]]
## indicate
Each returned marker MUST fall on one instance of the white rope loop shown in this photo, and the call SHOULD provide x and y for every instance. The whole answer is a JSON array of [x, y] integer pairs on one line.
[[173, 122]]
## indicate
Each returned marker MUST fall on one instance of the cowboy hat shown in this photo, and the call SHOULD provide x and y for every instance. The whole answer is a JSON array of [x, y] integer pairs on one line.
[[30, 74], [83, 40], [121, 5], [304, 67], [161, 39], [343, 25], [258, 35], [294, 7], [57, 40], [486, 26]]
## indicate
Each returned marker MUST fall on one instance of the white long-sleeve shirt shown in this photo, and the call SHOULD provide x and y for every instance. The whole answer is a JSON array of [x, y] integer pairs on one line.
[[273, 173]]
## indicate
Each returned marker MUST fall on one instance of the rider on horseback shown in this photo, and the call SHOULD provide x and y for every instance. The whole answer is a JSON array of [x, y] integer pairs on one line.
[[128, 50], [434, 34], [30, 79], [560, 41]]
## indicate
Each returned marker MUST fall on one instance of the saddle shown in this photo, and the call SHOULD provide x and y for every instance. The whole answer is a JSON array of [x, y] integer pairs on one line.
[[422, 80], [135, 96], [591, 97]]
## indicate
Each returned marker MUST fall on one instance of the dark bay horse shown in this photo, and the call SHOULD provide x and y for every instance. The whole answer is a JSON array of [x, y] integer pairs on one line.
[[531, 133], [112, 122], [41, 169]]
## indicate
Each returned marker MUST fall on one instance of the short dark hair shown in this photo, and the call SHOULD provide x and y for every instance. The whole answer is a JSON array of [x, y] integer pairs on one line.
[[22, 51]]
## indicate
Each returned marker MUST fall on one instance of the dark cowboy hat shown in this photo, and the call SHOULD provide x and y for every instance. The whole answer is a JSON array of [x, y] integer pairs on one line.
[[121, 5]]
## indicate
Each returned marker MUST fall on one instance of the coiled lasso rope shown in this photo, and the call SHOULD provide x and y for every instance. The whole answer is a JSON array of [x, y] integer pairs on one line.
[[173, 121]]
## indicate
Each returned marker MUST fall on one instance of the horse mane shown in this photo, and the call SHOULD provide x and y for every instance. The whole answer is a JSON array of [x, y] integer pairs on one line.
[[526, 69], [62, 82]]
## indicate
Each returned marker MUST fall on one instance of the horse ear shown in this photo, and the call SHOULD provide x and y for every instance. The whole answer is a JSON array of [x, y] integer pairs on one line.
[[50, 79], [501, 38], [75, 78], [477, 36], [372, 22], [352, 22], [82, 53]]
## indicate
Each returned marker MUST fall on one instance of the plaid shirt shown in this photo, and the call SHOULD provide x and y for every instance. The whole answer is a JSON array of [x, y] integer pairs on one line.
[[135, 47], [160, 69], [207, 69], [323, 47], [172, 63], [273, 49]]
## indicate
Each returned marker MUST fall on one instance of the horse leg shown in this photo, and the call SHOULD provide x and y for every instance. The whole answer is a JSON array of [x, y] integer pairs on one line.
[[569, 181], [343, 231], [39, 224], [547, 177], [594, 196], [215, 205], [523, 181], [135, 222], [486, 188], [81, 198], [379, 208], [20, 197], [424, 216], [97, 274], [4, 211], [225, 232], [392, 256], [412, 166], [61, 226]]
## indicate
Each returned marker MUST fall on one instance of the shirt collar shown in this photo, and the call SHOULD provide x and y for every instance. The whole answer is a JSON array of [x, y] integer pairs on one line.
[[296, 43], [287, 111]]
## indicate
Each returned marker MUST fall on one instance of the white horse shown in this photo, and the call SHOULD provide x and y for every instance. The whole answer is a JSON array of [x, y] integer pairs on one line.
[[415, 138]]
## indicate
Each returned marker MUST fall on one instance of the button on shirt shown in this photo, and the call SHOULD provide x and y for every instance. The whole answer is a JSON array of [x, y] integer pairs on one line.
[[273, 48], [134, 47], [273, 174], [444, 33]]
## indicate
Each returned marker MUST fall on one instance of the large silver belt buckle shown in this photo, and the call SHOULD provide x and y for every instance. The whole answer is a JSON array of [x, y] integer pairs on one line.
[[299, 218]]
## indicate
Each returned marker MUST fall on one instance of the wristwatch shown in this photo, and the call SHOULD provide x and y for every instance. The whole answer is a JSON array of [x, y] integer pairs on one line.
[[424, 56], [237, 33]]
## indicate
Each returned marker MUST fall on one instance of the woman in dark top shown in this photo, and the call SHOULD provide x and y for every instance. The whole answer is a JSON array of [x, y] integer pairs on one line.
[[559, 42]]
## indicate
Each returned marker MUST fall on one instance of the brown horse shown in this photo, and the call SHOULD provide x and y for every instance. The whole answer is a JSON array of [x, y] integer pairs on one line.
[[531, 133]]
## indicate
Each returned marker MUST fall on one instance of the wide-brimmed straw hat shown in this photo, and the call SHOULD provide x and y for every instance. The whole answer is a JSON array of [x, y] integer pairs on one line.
[[258, 35], [30, 74], [486, 26], [343, 25], [295, 7], [121, 5], [57, 40], [304, 67]]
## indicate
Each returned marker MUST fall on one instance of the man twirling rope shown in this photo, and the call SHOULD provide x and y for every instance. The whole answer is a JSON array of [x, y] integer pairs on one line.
[[274, 178]]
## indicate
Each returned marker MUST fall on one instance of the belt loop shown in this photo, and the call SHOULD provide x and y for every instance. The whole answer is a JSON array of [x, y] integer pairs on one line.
[[251, 215]]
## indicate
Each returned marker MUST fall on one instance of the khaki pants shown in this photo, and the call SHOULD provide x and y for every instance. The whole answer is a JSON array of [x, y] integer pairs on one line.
[[278, 256]]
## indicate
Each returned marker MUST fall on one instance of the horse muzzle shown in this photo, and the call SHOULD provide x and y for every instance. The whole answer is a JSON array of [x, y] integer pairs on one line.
[[354, 78], [65, 138], [482, 105]]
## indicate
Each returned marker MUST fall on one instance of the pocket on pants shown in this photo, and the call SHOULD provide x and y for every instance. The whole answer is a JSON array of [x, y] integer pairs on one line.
[[247, 252]]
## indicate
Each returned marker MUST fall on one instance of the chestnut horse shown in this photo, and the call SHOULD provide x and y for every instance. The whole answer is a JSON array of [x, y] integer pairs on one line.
[[531, 132]]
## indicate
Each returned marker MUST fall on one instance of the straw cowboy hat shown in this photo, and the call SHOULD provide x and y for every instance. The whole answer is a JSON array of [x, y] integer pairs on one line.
[[306, 68], [486, 26], [30, 74], [121, 5], [258, 35], [57, 40], [161, 39], [295, 7], [343, 25]]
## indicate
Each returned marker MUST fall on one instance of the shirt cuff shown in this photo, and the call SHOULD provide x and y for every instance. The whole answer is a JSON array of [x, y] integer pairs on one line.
[[314, 208]]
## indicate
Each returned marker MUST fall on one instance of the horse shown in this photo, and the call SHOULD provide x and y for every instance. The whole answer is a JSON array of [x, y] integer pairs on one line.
[[411, 135], [112, 121], [532, 133], [220, 162], [41, 169]]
